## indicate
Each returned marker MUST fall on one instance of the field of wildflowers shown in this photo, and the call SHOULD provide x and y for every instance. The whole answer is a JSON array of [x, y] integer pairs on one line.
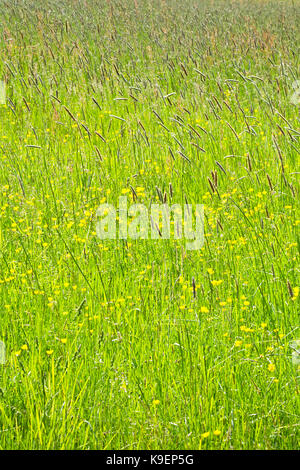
[[141, 344]]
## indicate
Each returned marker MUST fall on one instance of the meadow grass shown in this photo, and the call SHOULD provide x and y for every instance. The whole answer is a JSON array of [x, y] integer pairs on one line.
[[109, 345]]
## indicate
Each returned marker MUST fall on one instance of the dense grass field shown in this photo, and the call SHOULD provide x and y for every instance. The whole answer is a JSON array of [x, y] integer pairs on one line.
[[142, 344]]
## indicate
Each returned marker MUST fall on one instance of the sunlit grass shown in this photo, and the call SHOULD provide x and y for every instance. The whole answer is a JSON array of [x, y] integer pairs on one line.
[[108, 344]]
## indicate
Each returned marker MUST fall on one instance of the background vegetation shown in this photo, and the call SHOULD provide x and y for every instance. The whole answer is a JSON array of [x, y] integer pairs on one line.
[[142, 344]]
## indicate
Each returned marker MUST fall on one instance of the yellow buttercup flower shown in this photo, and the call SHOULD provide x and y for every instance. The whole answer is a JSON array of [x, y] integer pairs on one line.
[[216, 282], [204, 310]]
